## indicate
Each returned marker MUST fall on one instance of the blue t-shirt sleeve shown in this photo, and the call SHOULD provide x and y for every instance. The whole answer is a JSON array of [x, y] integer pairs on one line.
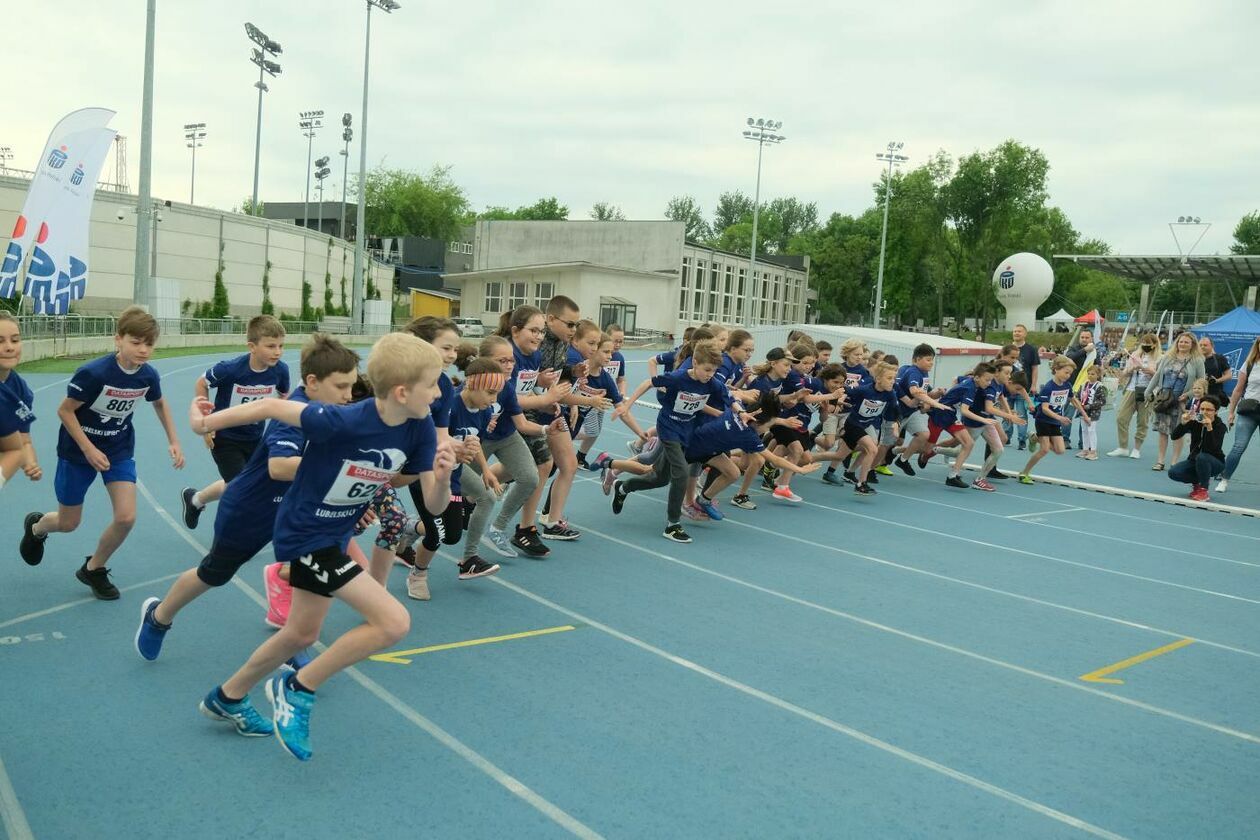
[[321, 422], [423, 447], [223, 373], [283, 440], [155, 384], [441, 408], [85, 386], [662, 380], [621, 365], [610, 387]]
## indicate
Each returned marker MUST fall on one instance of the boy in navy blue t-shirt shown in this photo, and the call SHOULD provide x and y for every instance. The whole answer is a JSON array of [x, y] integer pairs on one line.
[[246, 515], [256, 375], [97, 437], [16, 408], [350, 452]]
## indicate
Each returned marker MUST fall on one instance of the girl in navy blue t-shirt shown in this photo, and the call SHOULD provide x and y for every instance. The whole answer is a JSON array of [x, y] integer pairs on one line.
[[16, 408]]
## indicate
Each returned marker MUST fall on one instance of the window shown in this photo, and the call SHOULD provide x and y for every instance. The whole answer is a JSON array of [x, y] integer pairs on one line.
[[713, 304], [517, 295], [697, 306], [686, 270], [742, 276], [699, 281], [543, 292], [730, 278], [494, 297], [682, 303], [467, 247], [456, 247]]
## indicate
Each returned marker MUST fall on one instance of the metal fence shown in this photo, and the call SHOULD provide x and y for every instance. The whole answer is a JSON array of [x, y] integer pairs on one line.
[[87, 326]]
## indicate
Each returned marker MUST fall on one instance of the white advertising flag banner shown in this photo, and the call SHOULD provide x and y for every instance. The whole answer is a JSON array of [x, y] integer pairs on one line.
[[53, 224]]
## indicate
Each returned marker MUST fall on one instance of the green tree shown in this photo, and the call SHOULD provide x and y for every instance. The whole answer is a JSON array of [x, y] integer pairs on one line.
[[267, 307], [732, 207], [542, 210], [307, 314], [248, 207], [602, 211], [685, 209], [794, 218], [1247, 235], [402, 203]]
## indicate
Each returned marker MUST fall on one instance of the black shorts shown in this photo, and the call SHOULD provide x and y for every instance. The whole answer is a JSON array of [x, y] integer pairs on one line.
[[230, 456], [221, 564], [1048, 429], [323, 571], [852, 435], [447, 527], [786, 436]]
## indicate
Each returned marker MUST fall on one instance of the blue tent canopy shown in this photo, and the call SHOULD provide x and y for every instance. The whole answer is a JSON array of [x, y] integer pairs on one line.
[[1232, 334]]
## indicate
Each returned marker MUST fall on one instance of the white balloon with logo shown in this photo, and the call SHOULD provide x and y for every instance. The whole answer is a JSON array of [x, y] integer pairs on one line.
[[1022, 282]]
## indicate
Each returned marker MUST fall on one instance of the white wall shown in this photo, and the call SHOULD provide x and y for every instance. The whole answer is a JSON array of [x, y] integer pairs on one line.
[[641, 246], [187, 241]]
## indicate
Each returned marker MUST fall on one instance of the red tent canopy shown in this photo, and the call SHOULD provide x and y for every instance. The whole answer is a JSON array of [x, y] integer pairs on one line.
[[1090, 317]]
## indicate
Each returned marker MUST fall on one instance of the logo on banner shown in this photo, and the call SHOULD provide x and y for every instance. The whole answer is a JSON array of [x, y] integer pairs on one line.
[[76, 177], [57, 158], [1007, 278]]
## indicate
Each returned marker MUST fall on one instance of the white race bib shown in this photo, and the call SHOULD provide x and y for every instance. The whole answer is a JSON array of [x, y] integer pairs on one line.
[[356, 483], [613, 370], [871, 408], [525, 382], [1059, 399], [688, 404], [249, 393], [114, 403]]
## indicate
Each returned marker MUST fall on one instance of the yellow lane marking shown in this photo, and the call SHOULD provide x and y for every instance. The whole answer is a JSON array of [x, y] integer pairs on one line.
[[399, 656], [1100, 676]]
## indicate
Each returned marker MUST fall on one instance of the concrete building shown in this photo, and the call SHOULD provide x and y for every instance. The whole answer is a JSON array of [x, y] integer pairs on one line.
[[188, 245], [642, 275]]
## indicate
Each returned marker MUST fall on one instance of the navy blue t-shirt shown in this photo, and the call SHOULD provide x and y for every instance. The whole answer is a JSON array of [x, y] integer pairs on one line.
[[109, 395], [1054, 396], [963, 393], [440, 409], [504, 409], [681, 400], [247, 511], [235, 383], [721, 435], [667, 359], [616, 367], [727, 371], [17, 403], [466, 423], [868, 407], [590, 386], [855, 376], [980, 400], [908, 376], [349, 454]]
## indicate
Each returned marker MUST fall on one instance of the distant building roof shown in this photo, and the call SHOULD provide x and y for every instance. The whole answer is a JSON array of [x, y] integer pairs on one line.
[[1146, 268]]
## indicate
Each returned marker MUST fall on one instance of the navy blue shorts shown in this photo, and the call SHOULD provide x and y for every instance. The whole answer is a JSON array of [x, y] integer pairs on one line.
[[73, 480]]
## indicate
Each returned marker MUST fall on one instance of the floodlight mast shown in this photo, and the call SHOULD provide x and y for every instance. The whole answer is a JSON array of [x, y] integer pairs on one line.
[[893, 158], [266, 47], [761, 130]]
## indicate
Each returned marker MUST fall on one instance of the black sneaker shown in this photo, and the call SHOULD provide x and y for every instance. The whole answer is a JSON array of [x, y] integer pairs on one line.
[[1000, 476], [1022, 446], [675, 533], [851, 477], [98, 580], [871, 477], [864, 490], [192, 513], [581, 459], [475, 567], [955, 481], [526, 539], [744, 503], [32, 547], [619, 497], [559, 531], [903, 465], [923, 460], [767, 485]]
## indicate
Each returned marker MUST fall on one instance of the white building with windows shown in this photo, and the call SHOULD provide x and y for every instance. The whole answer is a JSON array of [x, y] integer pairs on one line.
[[641, 275]]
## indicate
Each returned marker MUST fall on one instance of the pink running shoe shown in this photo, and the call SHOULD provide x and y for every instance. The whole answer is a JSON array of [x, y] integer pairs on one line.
[[608, 480], [279, 596]]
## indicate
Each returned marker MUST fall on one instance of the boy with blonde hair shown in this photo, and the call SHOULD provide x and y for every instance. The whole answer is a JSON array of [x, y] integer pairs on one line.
[[351, 451]]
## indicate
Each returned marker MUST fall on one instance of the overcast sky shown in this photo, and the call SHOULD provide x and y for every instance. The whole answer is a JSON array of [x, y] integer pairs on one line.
[[1146, 110]]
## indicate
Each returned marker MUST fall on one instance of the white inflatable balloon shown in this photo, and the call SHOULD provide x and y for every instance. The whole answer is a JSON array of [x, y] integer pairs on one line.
[[1022, 282]]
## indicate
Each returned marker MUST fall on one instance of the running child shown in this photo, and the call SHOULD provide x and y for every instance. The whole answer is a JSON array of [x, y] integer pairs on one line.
[[686, 394], [97, 437], [1050, 416], [853, 355], [16, 412], [872, 404], [991, 402], [616, 368], [664, 362], [256, 375], [960, 399], [914, 400], [246, 515], [350, 451]]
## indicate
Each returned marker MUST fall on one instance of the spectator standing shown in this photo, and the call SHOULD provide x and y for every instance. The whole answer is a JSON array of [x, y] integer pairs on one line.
[[1244, 413], [1134, 377], [1216, 368], [1169, 388], [1078, 351], [1027, 362]]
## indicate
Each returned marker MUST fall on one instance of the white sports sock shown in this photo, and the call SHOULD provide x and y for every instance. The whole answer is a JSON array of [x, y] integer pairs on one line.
[[197, 503]]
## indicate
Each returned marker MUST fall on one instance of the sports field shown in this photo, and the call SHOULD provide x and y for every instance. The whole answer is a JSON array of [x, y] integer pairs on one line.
[[928, 662]]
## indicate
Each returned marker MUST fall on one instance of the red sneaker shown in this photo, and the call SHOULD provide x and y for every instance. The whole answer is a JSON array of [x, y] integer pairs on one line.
[[1200, 494], [279, 596]]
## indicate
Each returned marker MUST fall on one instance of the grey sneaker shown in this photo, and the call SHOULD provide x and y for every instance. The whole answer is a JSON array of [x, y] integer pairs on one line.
[[499, 543], [418, 584]]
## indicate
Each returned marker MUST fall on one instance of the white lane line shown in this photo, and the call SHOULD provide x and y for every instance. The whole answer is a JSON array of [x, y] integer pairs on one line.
[[80, 601], [507, 781], [874, 625], [985, 588], [1012, 550], [11, 813], [1040, 512], [814, 717]]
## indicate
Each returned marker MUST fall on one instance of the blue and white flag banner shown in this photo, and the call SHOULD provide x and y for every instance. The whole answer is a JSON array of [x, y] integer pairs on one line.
[[52, 228]]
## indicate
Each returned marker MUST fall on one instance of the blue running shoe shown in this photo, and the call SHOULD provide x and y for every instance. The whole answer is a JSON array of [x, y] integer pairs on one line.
[[708, 507], [150, 634], [829, 477], [291, 713], [242, 715], [297, 662]]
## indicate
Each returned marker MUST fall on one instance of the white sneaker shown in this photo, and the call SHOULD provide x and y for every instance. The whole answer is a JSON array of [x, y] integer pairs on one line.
[[1135, 454], [418, 584], [1222, 485], [1118, 452]]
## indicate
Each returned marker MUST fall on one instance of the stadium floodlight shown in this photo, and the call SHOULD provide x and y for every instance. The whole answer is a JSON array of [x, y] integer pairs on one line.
[[761, 132], [893, 158], [268, 68], [310, 122], [194, 133]]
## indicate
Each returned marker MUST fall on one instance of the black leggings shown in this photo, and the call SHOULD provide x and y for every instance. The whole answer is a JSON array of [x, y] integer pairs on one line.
[[447, 527]]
